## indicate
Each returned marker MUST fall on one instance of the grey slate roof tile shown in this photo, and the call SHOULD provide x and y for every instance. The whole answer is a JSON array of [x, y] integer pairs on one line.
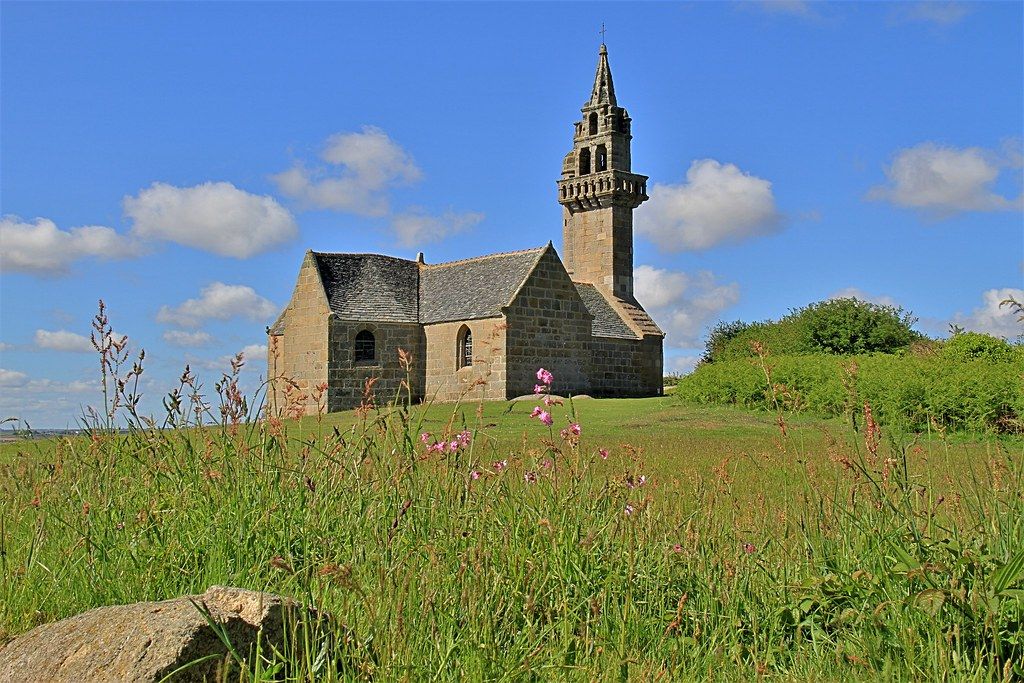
[[370, 287], [473, 288], [607, 322]]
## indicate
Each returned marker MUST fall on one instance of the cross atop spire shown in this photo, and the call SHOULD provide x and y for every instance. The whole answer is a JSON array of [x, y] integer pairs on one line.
[[604, 91]]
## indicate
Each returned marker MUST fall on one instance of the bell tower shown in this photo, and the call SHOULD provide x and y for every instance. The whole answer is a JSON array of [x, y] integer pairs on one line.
[[598, 192]]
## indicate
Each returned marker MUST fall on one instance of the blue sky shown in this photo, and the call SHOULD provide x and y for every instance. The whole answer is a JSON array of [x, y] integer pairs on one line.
[[176, 160]]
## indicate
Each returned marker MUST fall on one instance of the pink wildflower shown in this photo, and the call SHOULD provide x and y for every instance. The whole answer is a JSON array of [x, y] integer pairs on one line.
[[530, 477], [545, 376], [603, 452], [499, 465], [536, 411], [635, 483], [464, 437], [539, 388], [575, 428], [545, 464], [453, 446], [749, 548], [629, 510], [677, 548], [545, 417], [425, 437], [549, 401], [474, 475]]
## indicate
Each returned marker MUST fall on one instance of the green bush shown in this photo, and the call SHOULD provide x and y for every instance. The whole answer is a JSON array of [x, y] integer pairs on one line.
[[911, 392], [964, 346], [836, 326]]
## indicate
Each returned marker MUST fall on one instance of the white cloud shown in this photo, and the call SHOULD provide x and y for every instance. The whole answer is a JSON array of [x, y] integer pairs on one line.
[[856, 293], [42, 248], [931, 12], [415, 226], [717, 203], [254, 355], [62, 340], [214, 217], [221, 302], [365, 165], [5, 346], [992, 318], [681, 365], [945, 180], [682, 304], [12, 378], [187, 339], [41, 400]]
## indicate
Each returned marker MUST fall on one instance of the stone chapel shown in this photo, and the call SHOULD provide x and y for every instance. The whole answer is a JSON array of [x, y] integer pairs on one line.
[[480, 327]]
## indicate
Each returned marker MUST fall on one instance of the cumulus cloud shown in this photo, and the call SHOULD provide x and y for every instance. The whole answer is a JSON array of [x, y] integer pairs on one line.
[[718, 203], [5, 346], [214, 217], [218, 301], [12, 378], [856, 293], [946, 180], [992, 318], [416, 226], [682, 304], [359, 168], [40, 247], [62, 340], [187, 339]]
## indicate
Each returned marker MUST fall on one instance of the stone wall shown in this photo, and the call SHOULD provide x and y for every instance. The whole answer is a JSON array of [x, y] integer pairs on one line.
[[485, 379], [347, 379], [598, 247], [548, 326], [299, 352], [626, 367]]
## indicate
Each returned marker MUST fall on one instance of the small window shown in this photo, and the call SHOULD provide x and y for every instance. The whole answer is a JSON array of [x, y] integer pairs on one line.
[[465, 348], [585, 161], [602, 158], [593, 123], [366, 347]]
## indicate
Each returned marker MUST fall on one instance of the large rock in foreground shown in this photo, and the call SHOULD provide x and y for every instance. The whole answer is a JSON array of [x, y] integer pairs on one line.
[[148, 641]]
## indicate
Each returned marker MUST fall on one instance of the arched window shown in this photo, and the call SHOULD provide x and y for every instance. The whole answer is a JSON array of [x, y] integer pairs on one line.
[[593, 123], [585, 161], [602, 158], [464, 350], [366, 347]]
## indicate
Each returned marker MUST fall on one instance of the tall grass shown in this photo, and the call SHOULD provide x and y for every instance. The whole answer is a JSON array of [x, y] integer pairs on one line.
[[535, 564]]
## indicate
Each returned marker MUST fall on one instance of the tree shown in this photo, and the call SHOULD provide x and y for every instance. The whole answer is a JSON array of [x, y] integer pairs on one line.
[[848, 326]]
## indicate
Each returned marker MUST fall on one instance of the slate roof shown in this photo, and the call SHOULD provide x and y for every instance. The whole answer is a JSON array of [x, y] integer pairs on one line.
[[370, 287], [606, 323], [473, 288], [377, 288]]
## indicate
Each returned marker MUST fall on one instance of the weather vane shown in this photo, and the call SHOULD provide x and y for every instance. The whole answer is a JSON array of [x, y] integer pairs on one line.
[[602, 33]]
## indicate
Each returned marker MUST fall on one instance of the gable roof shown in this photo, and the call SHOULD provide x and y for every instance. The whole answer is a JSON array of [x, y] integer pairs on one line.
[[473, 288], [606, 323], [370, 287]]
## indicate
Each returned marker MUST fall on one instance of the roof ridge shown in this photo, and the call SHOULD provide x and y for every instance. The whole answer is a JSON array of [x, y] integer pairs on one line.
[[481, 258], [353, 253]]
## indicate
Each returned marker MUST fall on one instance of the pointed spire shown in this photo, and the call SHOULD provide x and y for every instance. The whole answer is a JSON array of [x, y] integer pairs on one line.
[[604, 91]]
